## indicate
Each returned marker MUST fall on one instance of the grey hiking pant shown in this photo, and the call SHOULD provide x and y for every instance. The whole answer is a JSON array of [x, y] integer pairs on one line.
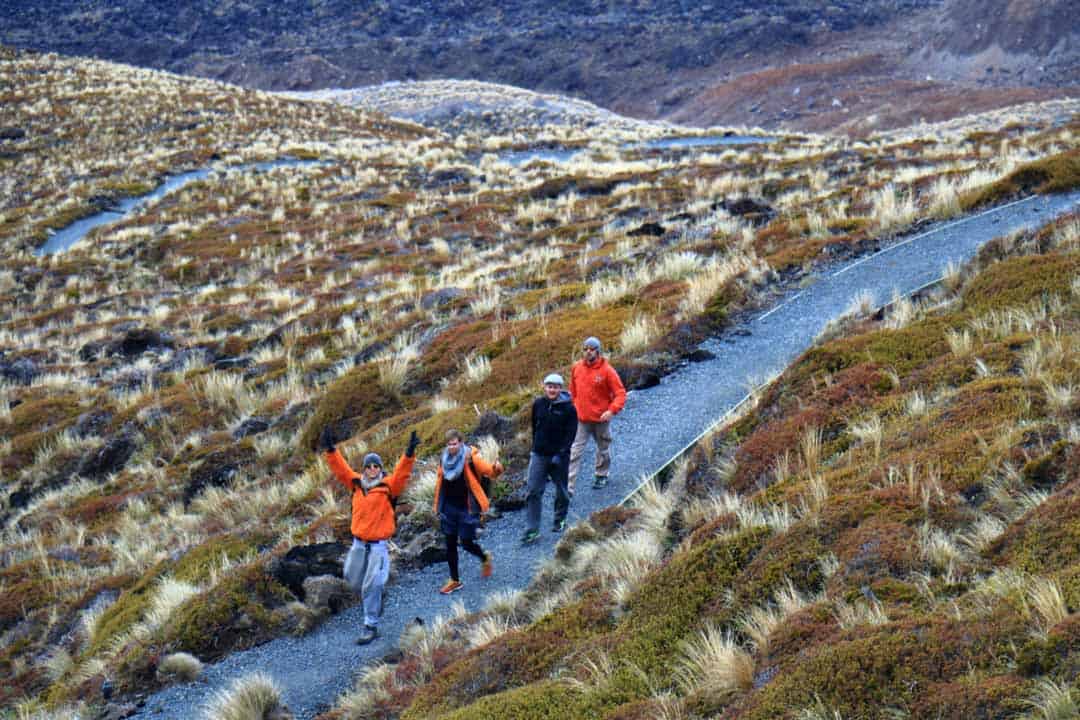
[[367, 567], [541, 469], [599, 431]]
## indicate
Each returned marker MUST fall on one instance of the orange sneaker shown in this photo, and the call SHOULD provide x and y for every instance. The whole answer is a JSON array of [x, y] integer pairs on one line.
[[451, 586], [486, 567]]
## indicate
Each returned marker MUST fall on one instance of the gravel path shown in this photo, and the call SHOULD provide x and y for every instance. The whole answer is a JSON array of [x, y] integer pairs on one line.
[[656, 424]]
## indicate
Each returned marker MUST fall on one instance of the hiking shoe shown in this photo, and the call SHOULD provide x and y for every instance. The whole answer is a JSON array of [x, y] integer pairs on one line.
[[486, 567], [599, 481], [558, 526], [368, 634], [451, 586], [530, 536]]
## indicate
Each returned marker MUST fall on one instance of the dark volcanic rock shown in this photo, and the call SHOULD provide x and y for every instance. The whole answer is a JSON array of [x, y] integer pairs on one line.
[[62, 470], [369, 352], [136, 342], [304, 561], [650, 229], [749, 209], [512, 501], [109, 458], [440, 297], [448, 177], [427, 548], [117, 711], [230, 363], [21, 371], [328, 592], [91, 423], [91, 350], [218, 469], [251, 426], [492, 423]]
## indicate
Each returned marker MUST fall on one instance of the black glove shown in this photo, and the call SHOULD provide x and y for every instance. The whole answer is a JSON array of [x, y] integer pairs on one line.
[[326, 440], [414, 441]]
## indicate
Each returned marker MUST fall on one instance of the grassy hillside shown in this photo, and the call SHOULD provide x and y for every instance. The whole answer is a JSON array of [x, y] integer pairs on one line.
[[164, 380], [892, 531]]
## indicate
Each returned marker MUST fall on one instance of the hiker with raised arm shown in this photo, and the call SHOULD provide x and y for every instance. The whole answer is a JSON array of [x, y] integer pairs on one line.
[[460, 498], [598, 395], [374, 492], [554, 422]]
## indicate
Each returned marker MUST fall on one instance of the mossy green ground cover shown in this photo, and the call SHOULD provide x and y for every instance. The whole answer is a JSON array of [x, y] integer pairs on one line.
[[285, 297], [954, 640]]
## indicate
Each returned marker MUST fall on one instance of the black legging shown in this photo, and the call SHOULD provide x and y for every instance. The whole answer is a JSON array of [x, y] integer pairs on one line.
[[451, 553]]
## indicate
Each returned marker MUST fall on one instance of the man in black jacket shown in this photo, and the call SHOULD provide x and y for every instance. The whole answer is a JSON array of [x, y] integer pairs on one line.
[[554, 424]]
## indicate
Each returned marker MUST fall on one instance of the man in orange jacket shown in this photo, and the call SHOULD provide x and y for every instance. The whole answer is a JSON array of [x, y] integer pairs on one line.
[[459, 501], [598, 395], [367, 566]]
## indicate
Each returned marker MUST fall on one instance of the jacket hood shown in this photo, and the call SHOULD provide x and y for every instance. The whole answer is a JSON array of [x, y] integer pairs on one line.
[[564, 396]]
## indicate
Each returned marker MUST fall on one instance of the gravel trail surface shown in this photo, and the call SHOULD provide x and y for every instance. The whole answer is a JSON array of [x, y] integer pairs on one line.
[[657, 423]]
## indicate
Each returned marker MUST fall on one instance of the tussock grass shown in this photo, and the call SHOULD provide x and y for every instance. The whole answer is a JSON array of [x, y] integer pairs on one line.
[[488, 629], [819, 711], [278, 287], [712, 663], [180, 666], [893, 208], [1053, 701], [810, 447], [477, 369], [869, 431], [393, 372], [860, 612], [700, 511], [507, 603], [1047, 603], [420, 492], [252, 697], [372, 687], [761, 621], [638, 334]]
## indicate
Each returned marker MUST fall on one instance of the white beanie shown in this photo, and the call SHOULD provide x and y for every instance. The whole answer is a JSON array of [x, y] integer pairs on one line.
[[554, 379]]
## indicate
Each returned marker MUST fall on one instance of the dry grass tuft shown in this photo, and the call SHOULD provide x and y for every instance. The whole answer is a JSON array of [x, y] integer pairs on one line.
[[252, 697], [1053, 701], [180, 666], [713, 663], [1047, 604], [372, 688]]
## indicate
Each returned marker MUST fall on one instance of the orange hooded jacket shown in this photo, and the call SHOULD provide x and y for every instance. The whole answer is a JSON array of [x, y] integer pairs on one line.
[[480, 465], [595, 389], [372, 511]]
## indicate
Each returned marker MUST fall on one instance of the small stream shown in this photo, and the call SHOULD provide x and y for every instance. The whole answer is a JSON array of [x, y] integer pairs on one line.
[[63, 239]]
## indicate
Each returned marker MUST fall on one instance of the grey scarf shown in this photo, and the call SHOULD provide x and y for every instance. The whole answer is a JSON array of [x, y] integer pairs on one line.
[[368, 484], [453, 465]]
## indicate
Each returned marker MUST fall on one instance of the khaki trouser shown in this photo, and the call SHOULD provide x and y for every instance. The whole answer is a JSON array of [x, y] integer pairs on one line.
[[599, 431]]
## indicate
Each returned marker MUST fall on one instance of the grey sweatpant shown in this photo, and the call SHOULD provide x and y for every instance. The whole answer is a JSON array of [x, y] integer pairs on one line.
[[541, 469], [367, 567], [599, 431]]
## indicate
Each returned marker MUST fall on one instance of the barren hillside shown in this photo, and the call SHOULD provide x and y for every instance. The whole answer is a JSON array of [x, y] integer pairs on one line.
[[853, 66]]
